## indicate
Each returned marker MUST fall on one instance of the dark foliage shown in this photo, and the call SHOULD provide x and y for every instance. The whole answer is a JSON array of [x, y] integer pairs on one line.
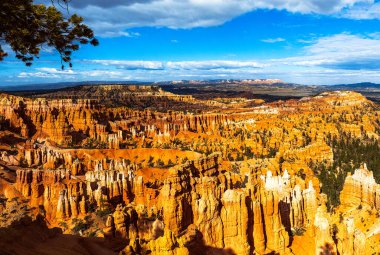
[[27, 27], [349, 154]]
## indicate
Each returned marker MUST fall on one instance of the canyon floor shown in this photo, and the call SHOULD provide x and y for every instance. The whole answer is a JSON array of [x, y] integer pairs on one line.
[[189, 169]]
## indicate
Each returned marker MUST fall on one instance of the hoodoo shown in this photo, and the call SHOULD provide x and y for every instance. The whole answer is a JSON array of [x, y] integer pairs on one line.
[[231, 181]]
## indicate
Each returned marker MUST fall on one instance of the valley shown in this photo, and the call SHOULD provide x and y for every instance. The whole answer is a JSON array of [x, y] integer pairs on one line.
[[189, 169]]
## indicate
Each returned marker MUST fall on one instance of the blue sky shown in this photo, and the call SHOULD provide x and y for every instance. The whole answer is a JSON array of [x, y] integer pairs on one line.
[[307, 42]]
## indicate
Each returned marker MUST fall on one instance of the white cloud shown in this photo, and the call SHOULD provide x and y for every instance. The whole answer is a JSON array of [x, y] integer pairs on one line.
[[46, 72], [306, 6], [103, 73], [39, 75], [213, 64], [179, 65], [112, 18], [36, 75], [111, 34], [363, 11], [341, 51], [50, 70], [53, 73], [132, 65], [273, 40], [375, 35], [305, 41]]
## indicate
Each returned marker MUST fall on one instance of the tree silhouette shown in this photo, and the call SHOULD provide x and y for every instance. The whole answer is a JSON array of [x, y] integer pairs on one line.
[[27, 27]]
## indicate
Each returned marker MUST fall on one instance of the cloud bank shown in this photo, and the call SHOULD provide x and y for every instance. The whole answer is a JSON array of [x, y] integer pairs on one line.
[[341, 51], [112, 17]]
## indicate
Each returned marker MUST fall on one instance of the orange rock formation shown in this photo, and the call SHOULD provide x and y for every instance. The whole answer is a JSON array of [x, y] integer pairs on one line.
[[222, 179]]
